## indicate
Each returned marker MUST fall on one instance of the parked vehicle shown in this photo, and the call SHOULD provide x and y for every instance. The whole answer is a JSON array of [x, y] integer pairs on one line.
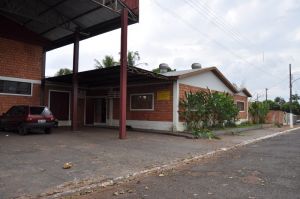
[[24, 118]]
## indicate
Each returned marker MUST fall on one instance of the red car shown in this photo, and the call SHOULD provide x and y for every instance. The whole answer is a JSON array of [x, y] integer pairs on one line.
[[24, 118]]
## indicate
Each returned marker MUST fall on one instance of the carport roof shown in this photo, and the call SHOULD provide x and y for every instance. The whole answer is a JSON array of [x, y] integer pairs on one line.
[[110, 77], [54, 21]]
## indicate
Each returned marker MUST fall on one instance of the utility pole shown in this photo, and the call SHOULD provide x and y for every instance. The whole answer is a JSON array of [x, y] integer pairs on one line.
[[257, 97], [291, 114], [267, 94]]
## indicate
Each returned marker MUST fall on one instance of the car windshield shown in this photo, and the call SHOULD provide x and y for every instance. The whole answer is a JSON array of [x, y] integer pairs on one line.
[[40, 111]]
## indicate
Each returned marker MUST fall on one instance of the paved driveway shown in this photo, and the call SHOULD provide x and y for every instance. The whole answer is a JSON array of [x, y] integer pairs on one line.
[[32, 164]]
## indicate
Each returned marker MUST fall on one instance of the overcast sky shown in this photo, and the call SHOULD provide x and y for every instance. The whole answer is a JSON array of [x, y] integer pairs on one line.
[[252, 42]]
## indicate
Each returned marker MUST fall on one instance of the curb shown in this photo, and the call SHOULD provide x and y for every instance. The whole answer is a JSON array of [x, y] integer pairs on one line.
[[101, 184]]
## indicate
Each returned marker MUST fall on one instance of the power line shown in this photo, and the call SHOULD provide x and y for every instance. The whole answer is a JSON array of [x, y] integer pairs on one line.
[[221, 24], [217, 22], [205, 35]]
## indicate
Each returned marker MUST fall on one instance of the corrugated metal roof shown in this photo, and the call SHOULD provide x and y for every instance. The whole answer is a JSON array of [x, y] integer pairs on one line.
[[110, 77], [57, 20]]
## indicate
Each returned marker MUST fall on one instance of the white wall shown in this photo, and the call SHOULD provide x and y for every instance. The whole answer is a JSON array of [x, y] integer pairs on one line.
[[206, 80]]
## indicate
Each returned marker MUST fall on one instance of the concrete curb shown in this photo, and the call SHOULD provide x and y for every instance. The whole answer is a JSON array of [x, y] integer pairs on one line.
[[90, 187]]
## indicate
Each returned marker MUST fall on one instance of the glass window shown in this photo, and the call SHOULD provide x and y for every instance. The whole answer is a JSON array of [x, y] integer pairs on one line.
[[141, 101], [12, 111], [36, 110], [241, 106], [13, 87], [39, 110]]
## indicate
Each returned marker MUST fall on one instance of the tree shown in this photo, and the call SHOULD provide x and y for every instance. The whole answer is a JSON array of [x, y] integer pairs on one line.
[[133, 58], [259, 111], [63, 71], [273, 105], [279, 100], [108, 61], [295, 97]]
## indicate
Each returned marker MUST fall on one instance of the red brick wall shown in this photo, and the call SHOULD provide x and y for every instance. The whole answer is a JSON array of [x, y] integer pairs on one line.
[[22, 60], [163, 110], [274, 117], [6, 101], [183, 88], [242, 114]]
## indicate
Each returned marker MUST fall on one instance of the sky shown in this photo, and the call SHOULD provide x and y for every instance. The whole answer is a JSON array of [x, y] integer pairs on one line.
[[252, 42]]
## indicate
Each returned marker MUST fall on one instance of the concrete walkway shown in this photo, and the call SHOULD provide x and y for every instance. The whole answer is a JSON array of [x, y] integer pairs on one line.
[[31, 165]]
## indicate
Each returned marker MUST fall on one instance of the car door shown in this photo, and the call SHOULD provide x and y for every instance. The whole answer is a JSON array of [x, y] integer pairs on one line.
[[8, 118], [19, 116]]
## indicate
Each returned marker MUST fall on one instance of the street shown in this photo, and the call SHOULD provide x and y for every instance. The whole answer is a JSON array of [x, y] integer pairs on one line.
[[267, 169]]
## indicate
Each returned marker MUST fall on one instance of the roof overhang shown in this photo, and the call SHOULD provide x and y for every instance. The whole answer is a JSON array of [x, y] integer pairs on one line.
[[52, 23], [110, 77], [246, 92]]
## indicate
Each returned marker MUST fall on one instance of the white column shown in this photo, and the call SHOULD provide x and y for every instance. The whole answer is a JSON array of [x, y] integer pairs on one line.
[[175, 105], [291, 120]]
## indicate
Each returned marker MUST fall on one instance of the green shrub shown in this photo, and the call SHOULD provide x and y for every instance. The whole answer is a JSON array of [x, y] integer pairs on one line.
[[204, 133], [230, 124], [246, 123], [277, 124], [259, 111], [205, 110]]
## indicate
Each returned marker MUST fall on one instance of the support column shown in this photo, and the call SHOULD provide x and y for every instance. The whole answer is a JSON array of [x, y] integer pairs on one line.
[[123, 75], [43, 69], [75, 82]]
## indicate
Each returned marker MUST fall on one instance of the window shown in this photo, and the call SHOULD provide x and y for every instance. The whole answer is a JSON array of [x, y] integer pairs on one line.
[[143, 101], [13, 87], [17, 110], [39, 110], [241, 106]]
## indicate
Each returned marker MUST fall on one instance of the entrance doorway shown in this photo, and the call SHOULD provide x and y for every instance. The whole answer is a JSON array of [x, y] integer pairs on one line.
[[96, 111]]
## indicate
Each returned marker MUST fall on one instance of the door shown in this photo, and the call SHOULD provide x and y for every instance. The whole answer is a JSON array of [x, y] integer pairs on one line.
[[100, 111], [15, 116], [89, 111], [80, 112], [60, 105]]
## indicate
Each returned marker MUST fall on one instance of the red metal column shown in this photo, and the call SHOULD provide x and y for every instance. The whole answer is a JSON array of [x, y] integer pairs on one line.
[[43, 90], [123, 75], [75, 82]]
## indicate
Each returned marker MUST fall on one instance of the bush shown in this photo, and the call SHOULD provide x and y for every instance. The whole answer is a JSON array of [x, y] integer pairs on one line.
[[203, 110], [246, 123], [258, 111], [204, 133], [230, 124]]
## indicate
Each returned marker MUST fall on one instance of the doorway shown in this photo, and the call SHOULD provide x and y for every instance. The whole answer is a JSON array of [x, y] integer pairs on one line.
[[96, 111]]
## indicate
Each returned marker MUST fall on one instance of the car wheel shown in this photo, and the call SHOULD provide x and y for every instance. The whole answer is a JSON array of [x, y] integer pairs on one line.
[[48, 130], [22, 130]]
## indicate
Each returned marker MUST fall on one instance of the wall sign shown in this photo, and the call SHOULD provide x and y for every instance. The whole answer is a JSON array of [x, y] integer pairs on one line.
[[163, 95]]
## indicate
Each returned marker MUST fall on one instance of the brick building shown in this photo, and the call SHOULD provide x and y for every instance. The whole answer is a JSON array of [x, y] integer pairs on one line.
[[99, 97], [20, 73], [31, 28], [152, 99]]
